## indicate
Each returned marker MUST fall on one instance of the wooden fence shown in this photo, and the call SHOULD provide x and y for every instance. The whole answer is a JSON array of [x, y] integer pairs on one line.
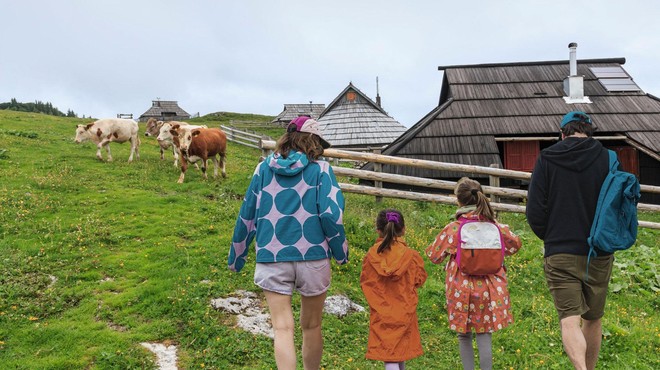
[[495, 174], [247, 138]]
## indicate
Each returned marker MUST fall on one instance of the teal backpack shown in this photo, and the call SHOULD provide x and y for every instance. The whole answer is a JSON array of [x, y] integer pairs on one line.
[[615, 222]]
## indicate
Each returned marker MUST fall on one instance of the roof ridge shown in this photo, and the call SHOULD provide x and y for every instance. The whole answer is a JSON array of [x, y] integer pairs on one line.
[[620, 60]]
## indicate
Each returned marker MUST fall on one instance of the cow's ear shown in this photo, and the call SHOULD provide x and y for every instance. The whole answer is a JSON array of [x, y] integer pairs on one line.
[[195, 133], [176, 126], [89, 126], [174, 132]]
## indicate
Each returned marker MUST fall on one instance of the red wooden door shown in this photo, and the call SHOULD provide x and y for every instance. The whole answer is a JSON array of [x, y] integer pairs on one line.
[[628, 158], [520, 155]]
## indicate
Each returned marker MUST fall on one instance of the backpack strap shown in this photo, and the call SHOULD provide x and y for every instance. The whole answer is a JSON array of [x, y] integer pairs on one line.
[[461, 221], [613, 167]]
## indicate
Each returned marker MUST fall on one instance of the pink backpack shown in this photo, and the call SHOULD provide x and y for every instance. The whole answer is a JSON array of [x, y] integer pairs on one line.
[[480, 247]]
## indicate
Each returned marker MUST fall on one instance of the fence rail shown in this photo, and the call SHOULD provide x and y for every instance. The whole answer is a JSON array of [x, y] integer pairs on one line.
[[495, 192], [247, 138]]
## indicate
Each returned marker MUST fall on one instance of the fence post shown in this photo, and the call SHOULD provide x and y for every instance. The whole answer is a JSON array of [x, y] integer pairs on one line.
[[378, 167], [265, 152], [494, 182]]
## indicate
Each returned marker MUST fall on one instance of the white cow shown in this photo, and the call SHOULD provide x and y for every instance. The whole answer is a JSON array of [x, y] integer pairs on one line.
[[165, 138], [107, 130]]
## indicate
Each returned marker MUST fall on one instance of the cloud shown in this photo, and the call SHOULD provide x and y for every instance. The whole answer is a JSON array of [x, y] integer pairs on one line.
[[104, 58]]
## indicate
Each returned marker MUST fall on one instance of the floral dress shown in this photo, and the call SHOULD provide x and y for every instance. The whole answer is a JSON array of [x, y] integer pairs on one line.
[[474, 303]]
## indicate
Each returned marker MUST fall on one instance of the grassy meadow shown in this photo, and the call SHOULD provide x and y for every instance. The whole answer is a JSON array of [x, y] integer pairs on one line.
[[97, 257]]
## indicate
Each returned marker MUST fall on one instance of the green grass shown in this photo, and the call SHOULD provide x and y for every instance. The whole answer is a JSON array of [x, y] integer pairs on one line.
[[138, 257]]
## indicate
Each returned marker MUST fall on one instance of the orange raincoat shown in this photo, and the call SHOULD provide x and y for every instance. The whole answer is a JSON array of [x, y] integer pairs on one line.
[[389, 281]]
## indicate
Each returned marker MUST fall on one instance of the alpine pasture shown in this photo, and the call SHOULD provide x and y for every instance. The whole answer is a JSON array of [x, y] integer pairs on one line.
[[98, 257]]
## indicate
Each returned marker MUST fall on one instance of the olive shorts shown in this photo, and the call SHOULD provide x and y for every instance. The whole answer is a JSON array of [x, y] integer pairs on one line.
[[573, 296], [310, 278]]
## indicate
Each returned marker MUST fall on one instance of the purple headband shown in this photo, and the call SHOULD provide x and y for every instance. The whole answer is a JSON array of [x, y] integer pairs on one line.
[[392, 217]]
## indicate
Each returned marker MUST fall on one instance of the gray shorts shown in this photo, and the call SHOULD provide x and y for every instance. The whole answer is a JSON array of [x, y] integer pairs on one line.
[[310, 278]]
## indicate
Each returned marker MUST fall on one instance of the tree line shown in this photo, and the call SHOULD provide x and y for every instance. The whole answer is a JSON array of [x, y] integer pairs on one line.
[[37, 107]]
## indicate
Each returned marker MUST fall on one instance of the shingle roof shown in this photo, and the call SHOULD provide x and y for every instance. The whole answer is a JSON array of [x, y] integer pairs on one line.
[[479, 102], [168, 108], [358, 121], [292, 111]]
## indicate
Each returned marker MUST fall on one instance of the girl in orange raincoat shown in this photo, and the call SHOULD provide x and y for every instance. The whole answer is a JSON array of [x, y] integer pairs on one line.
[[391, 274], [478, 303]]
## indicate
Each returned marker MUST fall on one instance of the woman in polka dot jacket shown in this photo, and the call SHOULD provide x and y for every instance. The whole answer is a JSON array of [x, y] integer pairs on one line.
[[294, 209]]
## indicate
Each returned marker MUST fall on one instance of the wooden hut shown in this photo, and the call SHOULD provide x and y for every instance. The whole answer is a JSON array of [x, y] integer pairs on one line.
[[165, 110], [353, 121], [292, 111], [505, 114]]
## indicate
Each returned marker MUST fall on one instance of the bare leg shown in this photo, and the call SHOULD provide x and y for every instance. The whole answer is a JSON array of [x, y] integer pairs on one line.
[[592, 331], [281, 316], [311, 313], [575, 344]]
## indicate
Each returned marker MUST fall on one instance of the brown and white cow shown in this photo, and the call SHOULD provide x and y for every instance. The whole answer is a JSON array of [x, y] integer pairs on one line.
[[165, 138], [200, 144], [107, 130], [153, 127]]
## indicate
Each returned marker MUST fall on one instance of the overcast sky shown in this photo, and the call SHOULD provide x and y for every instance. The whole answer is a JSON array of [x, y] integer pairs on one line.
[[102, 57]]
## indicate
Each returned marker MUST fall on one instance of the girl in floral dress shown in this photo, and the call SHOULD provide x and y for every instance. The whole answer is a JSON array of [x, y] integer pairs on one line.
[[475, 303]]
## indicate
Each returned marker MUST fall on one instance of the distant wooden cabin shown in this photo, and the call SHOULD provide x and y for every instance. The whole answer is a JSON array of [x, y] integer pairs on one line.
[[292, 111], [165, 110], [505, 114], [353, 121]]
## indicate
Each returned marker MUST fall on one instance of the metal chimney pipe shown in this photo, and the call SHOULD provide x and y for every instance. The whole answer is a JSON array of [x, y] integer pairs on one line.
[[572, 59]]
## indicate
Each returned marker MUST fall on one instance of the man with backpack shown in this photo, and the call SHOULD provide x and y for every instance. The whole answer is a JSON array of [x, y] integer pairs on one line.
[[561, 205]]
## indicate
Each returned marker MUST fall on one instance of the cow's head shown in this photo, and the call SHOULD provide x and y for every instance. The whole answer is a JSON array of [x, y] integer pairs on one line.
[[164, 134], [153, 127], [186, 138], [176, 132], [83, 133]]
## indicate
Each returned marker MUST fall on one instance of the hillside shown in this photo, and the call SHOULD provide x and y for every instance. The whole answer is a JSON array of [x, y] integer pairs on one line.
[[98, 257]]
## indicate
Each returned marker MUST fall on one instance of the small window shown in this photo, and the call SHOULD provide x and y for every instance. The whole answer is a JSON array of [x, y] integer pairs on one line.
[[350, 96]]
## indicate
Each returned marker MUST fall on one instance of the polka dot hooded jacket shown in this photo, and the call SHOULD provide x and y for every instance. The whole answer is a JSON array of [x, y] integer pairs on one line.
[[294, 209]]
